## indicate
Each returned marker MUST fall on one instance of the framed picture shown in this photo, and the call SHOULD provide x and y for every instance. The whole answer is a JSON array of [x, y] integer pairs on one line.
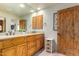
[[55, 21]]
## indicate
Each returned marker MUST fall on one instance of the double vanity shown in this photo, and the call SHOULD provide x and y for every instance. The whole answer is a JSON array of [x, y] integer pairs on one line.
[[21, 45]]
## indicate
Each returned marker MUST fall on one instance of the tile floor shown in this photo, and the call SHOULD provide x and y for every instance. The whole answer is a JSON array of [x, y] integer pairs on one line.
[[44, 53], [50, 54]]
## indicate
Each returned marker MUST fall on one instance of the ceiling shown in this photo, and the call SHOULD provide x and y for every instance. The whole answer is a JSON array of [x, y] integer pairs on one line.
[[15, 8]]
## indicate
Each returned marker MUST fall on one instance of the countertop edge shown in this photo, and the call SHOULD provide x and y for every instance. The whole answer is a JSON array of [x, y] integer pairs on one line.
[[18, 35]]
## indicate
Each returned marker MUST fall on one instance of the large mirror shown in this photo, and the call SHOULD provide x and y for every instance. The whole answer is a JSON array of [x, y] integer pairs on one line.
[[22, 25], [2, 24]]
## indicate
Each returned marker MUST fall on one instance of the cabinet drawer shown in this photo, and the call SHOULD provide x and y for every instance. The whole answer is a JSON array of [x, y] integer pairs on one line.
[[30, 38], [19, 40], [40, 36]]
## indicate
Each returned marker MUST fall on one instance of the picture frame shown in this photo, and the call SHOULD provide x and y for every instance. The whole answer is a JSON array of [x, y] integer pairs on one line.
[[55, 21]]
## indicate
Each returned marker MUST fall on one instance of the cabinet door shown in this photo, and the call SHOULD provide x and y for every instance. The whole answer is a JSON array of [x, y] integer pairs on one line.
[[38, 44], [31, 47], [42, 42], [31, 51], [21, 50], [40, 22], [34, 22], [9, 51]]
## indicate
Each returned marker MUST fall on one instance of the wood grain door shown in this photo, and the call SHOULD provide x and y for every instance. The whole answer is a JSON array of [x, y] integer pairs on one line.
[[76, 31], [65, 30], [61, 40]]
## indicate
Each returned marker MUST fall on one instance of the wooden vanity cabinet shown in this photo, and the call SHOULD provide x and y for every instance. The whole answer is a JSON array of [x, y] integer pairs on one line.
[[21, 46]]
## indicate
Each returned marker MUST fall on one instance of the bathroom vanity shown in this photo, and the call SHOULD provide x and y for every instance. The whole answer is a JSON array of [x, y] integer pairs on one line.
[[21, 45]]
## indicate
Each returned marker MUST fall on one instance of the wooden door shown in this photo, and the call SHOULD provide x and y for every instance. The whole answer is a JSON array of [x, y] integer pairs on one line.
[[21, 50], [76, 31], [66, 30], [9, 51], [40, 22], [61, 41]]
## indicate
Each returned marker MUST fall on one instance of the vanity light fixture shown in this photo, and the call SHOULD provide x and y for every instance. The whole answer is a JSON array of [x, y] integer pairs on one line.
[[22, 5]]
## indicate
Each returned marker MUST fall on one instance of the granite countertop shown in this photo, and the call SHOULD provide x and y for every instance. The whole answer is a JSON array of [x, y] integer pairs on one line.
[[2, 37]]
